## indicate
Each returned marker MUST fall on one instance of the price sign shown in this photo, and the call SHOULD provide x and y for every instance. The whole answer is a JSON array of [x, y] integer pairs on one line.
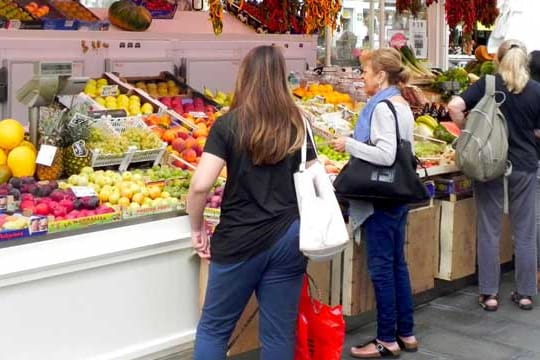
[[83, 191], [46, 155], [198, 114], [109, 90]]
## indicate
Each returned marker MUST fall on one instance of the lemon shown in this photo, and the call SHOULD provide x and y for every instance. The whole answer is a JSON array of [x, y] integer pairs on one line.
[[102, 82], [134, 98], [100, 100], [147, 109]]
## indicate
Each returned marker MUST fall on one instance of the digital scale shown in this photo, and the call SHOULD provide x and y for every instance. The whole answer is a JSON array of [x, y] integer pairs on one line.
[[50, 79]]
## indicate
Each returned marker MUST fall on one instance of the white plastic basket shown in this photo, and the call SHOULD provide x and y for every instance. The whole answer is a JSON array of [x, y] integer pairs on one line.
[[133, 155]]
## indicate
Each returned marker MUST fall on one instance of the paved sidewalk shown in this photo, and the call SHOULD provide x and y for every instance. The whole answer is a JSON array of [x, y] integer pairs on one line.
[[454, 327]]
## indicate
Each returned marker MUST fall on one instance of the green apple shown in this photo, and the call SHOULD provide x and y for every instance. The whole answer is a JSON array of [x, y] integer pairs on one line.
[[73, 179], [83, 180], [134, 206], [126, 175], [114, 197]]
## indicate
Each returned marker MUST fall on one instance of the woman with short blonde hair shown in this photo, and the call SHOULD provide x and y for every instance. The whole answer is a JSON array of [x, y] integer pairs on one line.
[[519, 99]]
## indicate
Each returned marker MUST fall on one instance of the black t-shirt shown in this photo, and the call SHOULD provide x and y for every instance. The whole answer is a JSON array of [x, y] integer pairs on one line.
[[259, 202], [522, 113]]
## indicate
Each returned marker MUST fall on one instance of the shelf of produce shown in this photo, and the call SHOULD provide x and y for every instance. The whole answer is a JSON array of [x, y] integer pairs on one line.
[[135, 285]]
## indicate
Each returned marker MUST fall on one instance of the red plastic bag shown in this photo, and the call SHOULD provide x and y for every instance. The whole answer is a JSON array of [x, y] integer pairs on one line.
[[320, 330]]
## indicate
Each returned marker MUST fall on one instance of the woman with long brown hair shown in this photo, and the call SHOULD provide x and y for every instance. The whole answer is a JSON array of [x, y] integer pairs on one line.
[[255, 246]]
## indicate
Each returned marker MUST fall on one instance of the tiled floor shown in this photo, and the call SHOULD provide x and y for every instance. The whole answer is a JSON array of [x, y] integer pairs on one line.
[[455, 327]]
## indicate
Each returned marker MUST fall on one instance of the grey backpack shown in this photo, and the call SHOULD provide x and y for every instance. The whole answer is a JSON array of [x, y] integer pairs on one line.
[[482, 147]]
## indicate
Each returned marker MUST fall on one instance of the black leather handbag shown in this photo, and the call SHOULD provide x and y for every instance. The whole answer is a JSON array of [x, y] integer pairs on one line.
[[399, 182]]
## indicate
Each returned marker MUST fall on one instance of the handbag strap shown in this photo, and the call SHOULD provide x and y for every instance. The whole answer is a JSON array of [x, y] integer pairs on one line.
[[303, 151], [393, 110]]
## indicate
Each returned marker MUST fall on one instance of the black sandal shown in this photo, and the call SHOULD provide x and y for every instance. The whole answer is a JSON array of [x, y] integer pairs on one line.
[[382, 351], [483, 299], [517, 297], [408, 347]]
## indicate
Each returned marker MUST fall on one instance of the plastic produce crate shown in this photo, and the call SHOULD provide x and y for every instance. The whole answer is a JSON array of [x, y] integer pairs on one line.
[[74, 10]]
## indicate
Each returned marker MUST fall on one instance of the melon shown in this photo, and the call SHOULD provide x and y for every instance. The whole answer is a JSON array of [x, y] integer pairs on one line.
[[22, 161], [5, 174], [11, 134], [451, 127]]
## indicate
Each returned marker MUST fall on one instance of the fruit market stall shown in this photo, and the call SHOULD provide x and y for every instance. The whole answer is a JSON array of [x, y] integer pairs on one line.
[[95, 245]]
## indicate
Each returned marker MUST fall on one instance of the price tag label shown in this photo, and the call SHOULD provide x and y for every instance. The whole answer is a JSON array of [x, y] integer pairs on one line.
[[83, 191], [109, 90], [198, 114], [46, 155]]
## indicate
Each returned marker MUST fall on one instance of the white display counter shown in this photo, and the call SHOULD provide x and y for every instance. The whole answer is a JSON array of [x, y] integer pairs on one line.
[[128, 292]]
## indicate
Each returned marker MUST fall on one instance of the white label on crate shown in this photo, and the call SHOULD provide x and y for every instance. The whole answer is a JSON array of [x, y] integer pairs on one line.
[[69, 23], [46, 155], [83, 191], [109, 90], [198, 114]]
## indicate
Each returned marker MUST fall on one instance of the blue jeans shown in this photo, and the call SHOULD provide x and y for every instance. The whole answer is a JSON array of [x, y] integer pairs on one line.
[[385, 240], [276, 277]]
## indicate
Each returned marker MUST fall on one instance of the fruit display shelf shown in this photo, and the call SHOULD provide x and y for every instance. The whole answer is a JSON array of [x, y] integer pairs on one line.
[[167, 85]]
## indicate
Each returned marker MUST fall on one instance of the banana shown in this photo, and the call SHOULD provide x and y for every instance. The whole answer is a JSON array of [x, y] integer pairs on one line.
[[427, 120], [208, 93]]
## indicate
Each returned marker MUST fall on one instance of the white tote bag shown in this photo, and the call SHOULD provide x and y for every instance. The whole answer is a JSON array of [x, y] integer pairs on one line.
[[323, 232]]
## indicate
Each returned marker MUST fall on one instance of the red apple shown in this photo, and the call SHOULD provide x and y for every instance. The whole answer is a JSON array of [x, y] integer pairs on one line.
[[182, 135], [68, 204], [28, 197], [189, 155], [179, 164], [178, 144], [191, 142], [179, 109], [42, 209], [198, 150], [59, 210], [60, 218], [71, 216]]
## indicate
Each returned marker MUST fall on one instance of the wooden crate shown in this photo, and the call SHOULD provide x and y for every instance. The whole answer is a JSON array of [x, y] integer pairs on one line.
[[420, 250], [421, 246], [357, 290], [457, 241], [248, 335]]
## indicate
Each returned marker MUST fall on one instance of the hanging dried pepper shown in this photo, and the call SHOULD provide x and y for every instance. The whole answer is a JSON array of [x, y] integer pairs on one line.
[[320, 13], [412, 6], [216, 15], [403, 6], [486, 11], [458, 11]]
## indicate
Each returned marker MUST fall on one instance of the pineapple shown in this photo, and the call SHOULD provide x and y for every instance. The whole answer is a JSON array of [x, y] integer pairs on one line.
[[50, 133], [76, 154]]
